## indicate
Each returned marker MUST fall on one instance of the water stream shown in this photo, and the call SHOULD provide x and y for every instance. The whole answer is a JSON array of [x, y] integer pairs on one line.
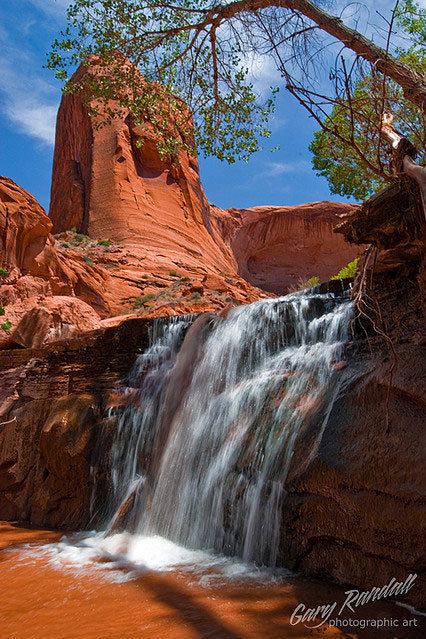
[[214, 409], [191, 473]]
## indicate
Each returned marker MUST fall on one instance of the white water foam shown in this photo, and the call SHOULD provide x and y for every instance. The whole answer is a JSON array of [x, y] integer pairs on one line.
[[123, 557]]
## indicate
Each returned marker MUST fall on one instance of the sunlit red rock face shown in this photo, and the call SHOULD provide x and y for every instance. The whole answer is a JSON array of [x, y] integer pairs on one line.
[[52, 288], [154, 213], [136, 234], [158, 218], [44, 294], [279, 247]]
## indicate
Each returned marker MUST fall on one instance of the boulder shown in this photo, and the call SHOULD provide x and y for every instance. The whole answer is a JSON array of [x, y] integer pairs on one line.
[[58, 318]]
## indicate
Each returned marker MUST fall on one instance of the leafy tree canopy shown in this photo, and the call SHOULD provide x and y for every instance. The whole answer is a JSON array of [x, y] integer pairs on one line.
[[199, 53], [207, 69], [348, 150]]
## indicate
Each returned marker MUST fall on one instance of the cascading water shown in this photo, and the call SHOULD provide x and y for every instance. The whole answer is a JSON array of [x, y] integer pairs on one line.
[[137, 432], [202, 451]]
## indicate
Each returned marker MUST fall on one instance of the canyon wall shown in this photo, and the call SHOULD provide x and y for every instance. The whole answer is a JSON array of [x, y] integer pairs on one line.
[[354, 506], [147, 243], [279, 247], [110, 183], [107, 186], [52, 408], [130, 232], [355, 509]]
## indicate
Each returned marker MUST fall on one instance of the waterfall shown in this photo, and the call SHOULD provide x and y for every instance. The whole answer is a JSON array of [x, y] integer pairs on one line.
[[137, 427], [205, 443]]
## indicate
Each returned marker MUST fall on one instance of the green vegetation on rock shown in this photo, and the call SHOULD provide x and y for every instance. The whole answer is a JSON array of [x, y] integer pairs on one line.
[[141, 301], [311, 282], [348, 271]]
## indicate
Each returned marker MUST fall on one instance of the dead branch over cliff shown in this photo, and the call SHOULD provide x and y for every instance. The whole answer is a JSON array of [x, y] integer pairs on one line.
[[404, 157], [203, 24]]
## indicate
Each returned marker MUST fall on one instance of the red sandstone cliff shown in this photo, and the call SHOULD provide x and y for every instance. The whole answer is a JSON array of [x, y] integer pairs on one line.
[[111, 183], [278, 247], [136, 234]]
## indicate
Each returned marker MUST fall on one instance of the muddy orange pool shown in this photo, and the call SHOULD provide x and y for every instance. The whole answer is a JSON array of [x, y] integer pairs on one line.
[[41, 599]]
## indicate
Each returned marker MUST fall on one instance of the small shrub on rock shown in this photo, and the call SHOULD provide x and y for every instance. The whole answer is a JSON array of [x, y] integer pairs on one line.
[[312, 281], [141, 301], [6, 326], [348, 271]]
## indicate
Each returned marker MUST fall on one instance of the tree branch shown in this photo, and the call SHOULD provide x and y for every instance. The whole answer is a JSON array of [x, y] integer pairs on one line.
[[411, 82], [405, 153]]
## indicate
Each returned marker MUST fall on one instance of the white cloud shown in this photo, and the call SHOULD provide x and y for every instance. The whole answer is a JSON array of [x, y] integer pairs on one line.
[[54, 8], [27, 100], [263, 73], [279, 168], [33, 117]]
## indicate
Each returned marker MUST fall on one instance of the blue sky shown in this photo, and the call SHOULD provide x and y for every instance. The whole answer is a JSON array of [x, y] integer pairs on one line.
[[29, 97]]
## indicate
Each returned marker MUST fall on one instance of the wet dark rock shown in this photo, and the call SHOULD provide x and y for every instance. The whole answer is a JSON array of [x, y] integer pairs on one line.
[[52, 405], [355, 508]]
